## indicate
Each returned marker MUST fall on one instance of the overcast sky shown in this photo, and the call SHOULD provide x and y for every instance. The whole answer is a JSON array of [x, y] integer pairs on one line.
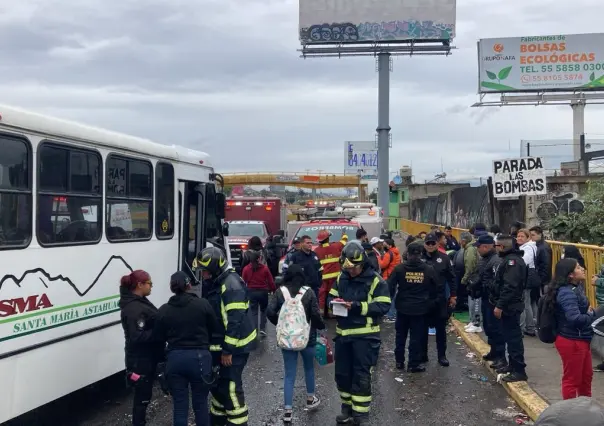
[[224, 76]]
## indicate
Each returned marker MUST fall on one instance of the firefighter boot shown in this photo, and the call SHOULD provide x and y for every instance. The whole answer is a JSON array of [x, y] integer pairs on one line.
[[345, 416]]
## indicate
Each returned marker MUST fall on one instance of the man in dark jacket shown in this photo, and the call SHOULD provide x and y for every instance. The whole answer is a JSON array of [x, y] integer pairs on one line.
[[452, 243], [232, 342], [439, 314], [488, 262], [309, 261], [415, 283], [507, 296], [372, 259], [543, 262]]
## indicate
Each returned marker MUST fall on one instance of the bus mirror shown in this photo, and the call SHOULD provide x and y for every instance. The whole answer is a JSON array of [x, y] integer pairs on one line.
[[225, 229], [220, 205]]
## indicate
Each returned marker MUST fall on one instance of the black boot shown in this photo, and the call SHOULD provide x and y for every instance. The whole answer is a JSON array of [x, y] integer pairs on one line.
[[489, 357], [515, 376], [345, 416], [499, 363], [416, 369], [504, 370], [442, 360], [400, 365]]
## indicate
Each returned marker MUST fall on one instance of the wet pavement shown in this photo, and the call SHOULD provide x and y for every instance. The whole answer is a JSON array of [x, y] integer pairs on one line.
[[460, 395]]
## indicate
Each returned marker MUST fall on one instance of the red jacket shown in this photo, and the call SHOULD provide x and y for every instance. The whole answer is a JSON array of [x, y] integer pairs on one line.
[[260, 279], [329, 256]]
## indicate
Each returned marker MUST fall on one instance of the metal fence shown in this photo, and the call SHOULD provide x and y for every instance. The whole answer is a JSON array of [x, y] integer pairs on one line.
[[593, 255]]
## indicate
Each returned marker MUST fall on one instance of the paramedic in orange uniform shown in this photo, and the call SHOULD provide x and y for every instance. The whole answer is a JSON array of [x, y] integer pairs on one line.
[[329, 256]]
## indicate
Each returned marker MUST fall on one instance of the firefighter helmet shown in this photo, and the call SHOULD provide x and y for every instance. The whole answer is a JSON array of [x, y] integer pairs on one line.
[[213, 260], [323, 235], [353, 254]]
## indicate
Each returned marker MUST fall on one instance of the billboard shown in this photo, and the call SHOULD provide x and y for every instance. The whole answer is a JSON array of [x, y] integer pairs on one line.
[[519, 176], [388, 21], [543, 63], [361, 159]]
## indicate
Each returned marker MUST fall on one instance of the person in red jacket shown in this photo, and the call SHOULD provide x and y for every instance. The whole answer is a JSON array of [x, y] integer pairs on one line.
[[329, 256], [260, 283]]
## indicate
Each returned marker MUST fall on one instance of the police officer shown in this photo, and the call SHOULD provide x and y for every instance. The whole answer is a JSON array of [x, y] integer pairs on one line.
[[232, 342], [416, 285], [488, 263], [143, 349], [439, 314], [357, 344], [507, 295]]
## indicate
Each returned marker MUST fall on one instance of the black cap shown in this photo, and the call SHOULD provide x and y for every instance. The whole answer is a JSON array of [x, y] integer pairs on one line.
[[296, 240], [415, 248], [431, 238], [484, 239]]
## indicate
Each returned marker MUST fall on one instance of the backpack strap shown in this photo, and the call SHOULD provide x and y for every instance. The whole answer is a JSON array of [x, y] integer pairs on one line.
[[285, 292], [300, 294]]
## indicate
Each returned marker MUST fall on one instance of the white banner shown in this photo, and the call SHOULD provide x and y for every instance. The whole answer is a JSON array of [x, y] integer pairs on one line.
[[552, 63], [361, 159], [519, 176]]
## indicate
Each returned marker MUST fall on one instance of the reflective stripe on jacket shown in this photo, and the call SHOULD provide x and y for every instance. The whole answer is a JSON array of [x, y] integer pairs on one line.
[[329, 257]]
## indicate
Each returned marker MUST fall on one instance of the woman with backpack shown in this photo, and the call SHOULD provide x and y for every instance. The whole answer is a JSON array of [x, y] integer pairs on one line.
[[260, 283], [573, 317], [283, 311]]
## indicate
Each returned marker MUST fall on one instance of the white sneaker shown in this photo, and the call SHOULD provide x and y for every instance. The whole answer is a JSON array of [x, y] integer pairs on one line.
[[474, 329], [468, 326]]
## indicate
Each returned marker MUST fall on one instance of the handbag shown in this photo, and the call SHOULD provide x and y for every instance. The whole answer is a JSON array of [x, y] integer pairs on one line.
[[324, 350]]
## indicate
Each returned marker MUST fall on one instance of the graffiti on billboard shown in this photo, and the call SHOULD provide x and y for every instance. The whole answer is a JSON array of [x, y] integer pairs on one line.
[[372, 31]]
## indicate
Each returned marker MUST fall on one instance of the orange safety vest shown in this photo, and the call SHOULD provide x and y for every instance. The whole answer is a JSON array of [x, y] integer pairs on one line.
[[329, 256]]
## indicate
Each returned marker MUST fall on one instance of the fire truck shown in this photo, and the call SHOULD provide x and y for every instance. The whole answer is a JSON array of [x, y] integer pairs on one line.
[[251, 216]]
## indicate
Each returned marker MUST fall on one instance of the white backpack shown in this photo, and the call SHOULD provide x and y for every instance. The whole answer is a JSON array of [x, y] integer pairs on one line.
[[293, 330]]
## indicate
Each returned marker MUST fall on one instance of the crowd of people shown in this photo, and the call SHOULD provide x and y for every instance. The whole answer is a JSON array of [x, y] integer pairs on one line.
[[201, 345]]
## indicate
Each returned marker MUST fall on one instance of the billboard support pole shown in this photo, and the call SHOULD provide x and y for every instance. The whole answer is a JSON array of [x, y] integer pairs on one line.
[[578, 127], [383, 130]]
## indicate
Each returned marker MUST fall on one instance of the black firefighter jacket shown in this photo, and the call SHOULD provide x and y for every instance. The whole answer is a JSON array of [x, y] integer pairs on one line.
[[507, 292], [444, 276], [370, 299], [416, 285], [228, 297]]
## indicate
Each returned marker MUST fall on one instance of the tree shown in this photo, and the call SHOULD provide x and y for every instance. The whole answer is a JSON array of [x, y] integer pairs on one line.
[[264, 193], [227, 190], [588, 226]]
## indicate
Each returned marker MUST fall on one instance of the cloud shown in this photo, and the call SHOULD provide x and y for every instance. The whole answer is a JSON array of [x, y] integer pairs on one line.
[[225, 76]]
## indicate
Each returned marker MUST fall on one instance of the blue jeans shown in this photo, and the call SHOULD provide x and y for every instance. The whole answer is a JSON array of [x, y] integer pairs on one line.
[[290, 363], [184, 368]]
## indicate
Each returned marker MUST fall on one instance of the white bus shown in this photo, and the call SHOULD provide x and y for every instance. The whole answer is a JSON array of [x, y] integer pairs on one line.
[[79, 208]]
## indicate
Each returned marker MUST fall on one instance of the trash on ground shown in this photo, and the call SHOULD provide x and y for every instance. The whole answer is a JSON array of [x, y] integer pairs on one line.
[[398, 379], [470, 355], [479, 377]]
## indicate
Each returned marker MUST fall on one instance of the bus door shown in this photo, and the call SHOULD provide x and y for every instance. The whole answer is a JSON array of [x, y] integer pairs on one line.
[[191, 213]]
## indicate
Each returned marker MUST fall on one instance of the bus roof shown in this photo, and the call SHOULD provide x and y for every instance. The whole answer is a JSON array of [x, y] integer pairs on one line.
[[21, 120]]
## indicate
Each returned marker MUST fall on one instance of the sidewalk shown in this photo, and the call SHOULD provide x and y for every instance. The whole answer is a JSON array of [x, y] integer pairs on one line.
[[544, 370]]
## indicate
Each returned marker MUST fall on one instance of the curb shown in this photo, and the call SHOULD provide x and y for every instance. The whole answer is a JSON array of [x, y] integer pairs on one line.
[[521, 392]]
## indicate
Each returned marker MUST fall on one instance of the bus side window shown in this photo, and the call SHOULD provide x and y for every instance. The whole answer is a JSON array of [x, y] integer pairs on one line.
[[164, 201], [129, 185], [70, 197], [15, 192]]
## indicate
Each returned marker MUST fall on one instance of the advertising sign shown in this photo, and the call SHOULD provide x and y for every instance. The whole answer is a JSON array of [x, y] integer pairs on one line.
[[358, 21], [544, 63], [519, 176], [361, 158]]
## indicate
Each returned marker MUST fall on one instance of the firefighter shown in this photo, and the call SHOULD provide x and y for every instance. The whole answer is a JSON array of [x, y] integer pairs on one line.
[[232, 343], [357, 344], [329, 257]]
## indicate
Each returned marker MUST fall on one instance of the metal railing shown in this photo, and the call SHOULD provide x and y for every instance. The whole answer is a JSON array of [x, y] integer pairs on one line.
[[593, 255]]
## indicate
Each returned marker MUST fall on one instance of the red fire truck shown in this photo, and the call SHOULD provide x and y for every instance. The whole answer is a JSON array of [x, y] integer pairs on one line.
[[265, 209]]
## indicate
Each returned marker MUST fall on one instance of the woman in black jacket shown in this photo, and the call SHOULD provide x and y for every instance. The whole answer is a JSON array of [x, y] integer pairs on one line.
[[143, 349], [186, 323], [294, 280]]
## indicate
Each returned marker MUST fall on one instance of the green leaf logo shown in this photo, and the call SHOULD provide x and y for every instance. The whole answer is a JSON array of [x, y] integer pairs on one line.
[[491, 75], [504, 73], [592, 76]]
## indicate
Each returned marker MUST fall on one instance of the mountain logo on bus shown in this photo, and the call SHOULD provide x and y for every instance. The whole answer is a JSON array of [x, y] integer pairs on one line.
[[22, 305], [19, 280]]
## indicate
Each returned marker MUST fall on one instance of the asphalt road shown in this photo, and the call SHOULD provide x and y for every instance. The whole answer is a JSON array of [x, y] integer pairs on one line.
[[461, 395]]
